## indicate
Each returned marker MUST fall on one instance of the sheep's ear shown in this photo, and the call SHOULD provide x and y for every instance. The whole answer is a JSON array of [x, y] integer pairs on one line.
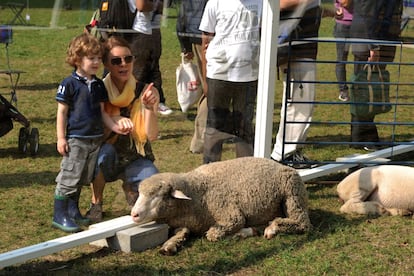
[[179, 195]]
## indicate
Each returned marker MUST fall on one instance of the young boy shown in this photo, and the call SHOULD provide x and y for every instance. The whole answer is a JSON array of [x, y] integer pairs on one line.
[[79, 127]]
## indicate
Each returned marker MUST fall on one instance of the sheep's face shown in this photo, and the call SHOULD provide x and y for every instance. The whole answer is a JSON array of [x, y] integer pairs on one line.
[[152, 192], [146, 208], [157, 199]]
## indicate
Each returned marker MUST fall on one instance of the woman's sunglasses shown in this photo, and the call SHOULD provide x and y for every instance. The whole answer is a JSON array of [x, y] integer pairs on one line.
[[118, 60]]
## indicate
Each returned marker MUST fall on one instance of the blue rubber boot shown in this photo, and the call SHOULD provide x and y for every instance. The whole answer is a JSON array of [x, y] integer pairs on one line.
[[73, 210], [61, 219]]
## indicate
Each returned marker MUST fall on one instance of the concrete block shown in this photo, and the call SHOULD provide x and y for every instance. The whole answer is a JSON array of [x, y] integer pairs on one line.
[[136, 238]]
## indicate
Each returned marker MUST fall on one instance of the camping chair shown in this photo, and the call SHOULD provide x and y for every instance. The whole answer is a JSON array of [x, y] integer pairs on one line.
[[6, 35], [408, 13]]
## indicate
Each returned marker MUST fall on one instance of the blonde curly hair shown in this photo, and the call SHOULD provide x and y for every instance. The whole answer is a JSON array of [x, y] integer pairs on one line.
[[81, 46]]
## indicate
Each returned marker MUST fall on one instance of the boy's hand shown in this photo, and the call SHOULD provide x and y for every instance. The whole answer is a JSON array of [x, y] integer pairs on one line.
[[62, 146], [125, 126]]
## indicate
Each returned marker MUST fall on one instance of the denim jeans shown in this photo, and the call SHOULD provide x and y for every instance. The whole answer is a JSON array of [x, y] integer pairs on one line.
[[132, 174], [341, 31]]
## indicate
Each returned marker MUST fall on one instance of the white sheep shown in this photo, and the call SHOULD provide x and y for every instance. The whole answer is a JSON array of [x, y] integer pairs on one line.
[[378, 190], [225, 198]]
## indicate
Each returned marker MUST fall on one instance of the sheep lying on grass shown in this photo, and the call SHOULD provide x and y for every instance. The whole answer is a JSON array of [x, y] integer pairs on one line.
[[379, 190], [225, 198]]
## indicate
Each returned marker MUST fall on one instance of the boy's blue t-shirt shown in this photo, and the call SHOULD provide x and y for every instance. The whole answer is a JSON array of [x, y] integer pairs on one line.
[[83, 98]]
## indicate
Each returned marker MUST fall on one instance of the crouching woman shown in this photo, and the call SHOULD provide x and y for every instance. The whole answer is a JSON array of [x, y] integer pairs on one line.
[[133, 107]]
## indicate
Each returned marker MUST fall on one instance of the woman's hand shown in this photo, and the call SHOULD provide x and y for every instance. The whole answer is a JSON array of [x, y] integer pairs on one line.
[[150, 98]]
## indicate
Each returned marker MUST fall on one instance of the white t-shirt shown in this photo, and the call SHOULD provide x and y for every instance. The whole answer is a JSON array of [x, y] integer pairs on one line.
[[142, 21], [233, 53]]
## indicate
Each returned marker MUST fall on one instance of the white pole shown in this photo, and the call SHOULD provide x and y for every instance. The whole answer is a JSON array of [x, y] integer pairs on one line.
[[46, 248], [55, 13], [266, 81]]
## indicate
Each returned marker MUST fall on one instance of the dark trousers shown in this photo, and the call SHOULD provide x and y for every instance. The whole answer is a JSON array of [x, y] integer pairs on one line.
[[365, 129], [230, 114]]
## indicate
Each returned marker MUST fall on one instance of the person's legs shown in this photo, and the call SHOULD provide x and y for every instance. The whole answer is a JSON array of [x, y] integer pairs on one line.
[[197, 142], [75, 172], [341, 31], [244, 102], [363, 128], [135, 172], [218, 102], [105, 171], [301, 90], [155, 70], [142, 46]]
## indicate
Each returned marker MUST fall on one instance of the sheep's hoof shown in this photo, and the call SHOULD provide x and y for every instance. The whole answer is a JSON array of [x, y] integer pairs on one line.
[[214, 234], [269, 233], [168, 250]]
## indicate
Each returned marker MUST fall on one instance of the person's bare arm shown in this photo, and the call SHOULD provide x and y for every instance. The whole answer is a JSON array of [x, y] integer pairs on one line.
[[205, 41], [289, 4], [61, 120], [150, 99], [144, 5]]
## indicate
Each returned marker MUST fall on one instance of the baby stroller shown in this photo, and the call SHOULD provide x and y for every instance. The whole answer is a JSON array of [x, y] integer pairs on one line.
[[9, 113], [27, 135]]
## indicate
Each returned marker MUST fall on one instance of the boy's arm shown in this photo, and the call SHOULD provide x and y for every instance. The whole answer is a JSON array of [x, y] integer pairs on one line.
[[61, 117]]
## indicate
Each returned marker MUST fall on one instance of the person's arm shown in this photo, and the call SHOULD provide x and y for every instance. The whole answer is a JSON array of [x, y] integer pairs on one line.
[[150, 99], [144, 5], [61, 117], [205, 41], [289, 4], [117, 123]]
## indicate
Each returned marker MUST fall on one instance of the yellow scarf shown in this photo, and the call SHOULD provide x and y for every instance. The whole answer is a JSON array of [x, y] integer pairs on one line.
[[124, 99]]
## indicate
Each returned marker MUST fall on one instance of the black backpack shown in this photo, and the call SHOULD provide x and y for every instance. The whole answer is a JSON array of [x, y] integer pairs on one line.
[[115, 14]]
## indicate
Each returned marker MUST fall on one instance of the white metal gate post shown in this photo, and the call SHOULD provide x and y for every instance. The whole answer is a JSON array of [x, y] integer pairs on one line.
[[266, 81]]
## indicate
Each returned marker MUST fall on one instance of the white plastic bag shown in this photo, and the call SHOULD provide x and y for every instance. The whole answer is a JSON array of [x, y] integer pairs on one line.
[[188, 84]]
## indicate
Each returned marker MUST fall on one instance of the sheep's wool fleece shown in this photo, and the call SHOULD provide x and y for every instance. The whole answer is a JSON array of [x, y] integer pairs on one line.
[[259, 189]]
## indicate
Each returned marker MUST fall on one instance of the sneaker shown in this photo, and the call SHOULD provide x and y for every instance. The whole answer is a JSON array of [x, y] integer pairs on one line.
[[95, 213], [163, 109], [298, 161], [343, 96]]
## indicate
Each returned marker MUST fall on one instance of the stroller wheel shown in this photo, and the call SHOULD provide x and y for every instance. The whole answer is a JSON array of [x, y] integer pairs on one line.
[[23, 137], [34, 141]]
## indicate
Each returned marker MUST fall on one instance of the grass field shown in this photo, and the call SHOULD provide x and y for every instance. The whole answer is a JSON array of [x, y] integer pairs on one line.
[[338, 245]]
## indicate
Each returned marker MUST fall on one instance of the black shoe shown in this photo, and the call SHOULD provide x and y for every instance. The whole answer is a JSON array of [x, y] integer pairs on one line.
[[299, 161]]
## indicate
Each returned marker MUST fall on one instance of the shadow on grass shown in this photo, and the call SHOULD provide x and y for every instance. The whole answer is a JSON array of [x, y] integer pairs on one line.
[[234, 255], [40, 86], [15, 180], [45, 150]]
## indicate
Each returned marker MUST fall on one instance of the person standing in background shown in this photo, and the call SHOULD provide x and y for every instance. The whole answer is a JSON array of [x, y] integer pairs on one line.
[[142, 44], [343, 20], [300, 70], [163, 109], [378, 20], [231, 47], [189, 37]]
